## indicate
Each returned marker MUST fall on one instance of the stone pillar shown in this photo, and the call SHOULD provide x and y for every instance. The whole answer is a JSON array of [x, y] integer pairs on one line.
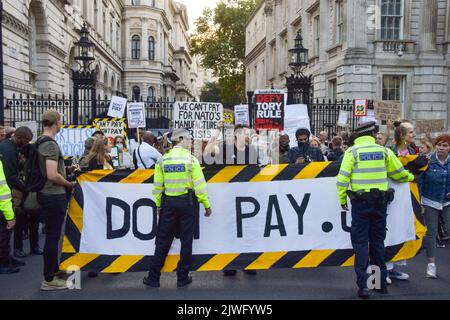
[[144, 40], [127, 38], [428, 25], [356, 28]]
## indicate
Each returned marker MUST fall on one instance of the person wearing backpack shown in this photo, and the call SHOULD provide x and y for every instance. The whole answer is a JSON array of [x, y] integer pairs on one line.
[[51, 187]]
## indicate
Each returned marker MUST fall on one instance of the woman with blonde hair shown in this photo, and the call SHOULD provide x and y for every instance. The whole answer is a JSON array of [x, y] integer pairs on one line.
[[98, 157]]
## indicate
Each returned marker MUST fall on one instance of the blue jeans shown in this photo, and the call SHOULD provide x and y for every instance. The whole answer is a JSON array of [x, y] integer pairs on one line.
[[368, 232]]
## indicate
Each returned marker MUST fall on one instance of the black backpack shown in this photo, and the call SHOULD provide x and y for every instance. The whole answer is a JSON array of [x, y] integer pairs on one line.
[[34, 179]]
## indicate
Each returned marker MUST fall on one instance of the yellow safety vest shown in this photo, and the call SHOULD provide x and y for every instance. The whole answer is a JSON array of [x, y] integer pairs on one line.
[[368, 165], [6, 206], [177, 172]]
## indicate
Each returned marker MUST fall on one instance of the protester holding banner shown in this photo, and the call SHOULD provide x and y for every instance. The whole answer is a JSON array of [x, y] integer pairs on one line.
[[83, 162], [126, 160], [365, 168], [304, 153], [52, 197], [98, 157], [178, 176], [336, 149], [434, 186]]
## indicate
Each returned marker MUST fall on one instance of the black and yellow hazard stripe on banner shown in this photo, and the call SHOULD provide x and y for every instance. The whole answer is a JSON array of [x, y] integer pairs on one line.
[[215, 262], [71, 126]]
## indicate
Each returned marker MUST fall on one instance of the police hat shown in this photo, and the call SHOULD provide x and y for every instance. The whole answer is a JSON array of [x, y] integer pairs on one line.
[[179, 133], [366, 127]]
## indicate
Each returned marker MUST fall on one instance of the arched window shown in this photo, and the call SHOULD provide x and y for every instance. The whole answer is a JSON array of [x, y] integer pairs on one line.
[[151, 48], [135, 47], [136, 93], [150, 93]]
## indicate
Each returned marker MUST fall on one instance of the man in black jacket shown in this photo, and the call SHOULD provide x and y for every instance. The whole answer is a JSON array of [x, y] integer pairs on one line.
[[304, 153], [9, 151], [336, 151]]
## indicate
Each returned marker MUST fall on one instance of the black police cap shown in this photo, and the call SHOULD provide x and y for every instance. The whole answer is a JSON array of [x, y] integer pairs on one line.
[[366, 127]]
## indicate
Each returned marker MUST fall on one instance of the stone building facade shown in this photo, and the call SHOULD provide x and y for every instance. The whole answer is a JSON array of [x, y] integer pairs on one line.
[[375, 49], [141, 46]]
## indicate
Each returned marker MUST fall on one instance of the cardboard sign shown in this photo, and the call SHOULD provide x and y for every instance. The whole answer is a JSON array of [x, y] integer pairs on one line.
[[200, 118], [343, 118], [71, 139], [429, 126], [296, 116], [117, 107], [370, 116], [270, 109], [30, 124], [360, 107], [136, 115], [241, 114], [388, 111], [112, 128]]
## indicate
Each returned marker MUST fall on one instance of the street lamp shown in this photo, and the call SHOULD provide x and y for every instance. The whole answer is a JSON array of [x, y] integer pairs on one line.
[[84, 49], [298, 85], [84, 79], [298, 56]]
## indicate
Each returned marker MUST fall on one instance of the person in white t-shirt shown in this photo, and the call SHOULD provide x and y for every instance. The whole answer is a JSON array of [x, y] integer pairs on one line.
[[146, 155]]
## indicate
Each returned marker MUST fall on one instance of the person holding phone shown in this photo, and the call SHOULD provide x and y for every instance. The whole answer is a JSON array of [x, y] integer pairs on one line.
[[434, 186]]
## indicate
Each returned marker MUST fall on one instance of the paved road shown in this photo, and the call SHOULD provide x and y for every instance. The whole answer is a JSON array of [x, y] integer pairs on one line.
[[286, 284]]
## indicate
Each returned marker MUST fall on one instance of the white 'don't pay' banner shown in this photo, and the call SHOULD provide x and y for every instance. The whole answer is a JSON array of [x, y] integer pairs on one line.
[[296, 215]]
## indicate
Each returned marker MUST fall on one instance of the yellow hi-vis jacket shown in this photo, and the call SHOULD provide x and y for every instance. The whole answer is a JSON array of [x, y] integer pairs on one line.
[[177, 172], [6, 207], [367, 166]]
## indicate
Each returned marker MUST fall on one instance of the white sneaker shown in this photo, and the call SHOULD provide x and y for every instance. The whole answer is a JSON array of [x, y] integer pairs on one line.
[[431, 271], [388, 280], [55, 284]]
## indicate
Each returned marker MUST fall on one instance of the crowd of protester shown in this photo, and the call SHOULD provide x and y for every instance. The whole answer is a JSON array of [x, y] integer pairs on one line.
[[243, 145]]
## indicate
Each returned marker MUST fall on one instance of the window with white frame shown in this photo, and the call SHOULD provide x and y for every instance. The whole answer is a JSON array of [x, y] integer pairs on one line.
[[339, 21], [150, 93], [151, 48], [393, 88], [135, 2], [316, 35], [391, 19]]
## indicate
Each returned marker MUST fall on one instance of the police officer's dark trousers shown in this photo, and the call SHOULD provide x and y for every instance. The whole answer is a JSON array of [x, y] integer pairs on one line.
[[176, 215], [5, 236], [368, 232]]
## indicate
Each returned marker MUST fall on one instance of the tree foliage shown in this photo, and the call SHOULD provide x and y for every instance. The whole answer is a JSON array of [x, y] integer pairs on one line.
[[219, 39], [210, 92]]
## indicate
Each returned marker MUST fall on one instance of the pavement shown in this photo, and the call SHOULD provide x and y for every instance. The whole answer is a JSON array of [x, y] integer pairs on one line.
[[324, 283]]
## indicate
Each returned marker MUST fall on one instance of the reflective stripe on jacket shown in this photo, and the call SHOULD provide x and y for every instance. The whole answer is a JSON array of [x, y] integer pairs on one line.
[[366, 166], [177, 172], [6, 206]]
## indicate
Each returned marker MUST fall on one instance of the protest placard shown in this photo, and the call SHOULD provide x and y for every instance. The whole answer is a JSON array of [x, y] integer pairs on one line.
[[71, 139], [117, 107], [343, 118], [136, 115], [429, 126], [388, 111], [360, 107], [296, 116], [241, 114], [270, 109], [112, 128], [200, 118]]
